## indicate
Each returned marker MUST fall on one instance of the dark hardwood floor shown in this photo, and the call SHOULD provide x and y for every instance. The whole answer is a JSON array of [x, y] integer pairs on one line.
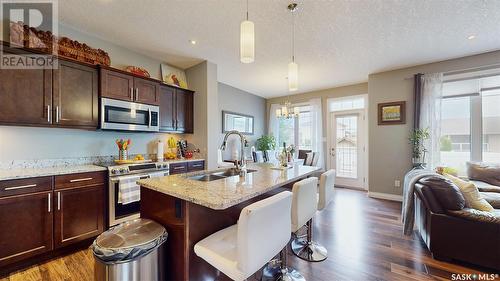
[[363, 237]]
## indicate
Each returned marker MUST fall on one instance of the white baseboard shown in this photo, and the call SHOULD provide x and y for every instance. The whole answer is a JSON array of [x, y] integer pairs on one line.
[[385, 196]]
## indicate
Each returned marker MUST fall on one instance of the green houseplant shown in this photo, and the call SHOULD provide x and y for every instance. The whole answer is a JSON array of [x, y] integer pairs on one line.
[[417, 139], [266, 142]]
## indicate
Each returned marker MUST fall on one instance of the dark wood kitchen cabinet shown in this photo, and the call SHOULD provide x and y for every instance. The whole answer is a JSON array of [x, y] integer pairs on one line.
[[46, 215], [75, 95], [26, 224], [120, 85], [176, 110], [26, 97]]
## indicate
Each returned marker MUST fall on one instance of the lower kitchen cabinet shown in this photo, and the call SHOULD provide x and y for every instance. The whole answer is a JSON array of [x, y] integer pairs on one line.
[[26, 226], [78, 214], [42, 215]]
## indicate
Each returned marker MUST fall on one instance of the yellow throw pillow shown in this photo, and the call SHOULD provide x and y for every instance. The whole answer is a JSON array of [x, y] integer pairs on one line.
[[471, 194]]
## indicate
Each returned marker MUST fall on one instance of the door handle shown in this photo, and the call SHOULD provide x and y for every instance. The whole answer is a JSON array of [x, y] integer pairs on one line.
[[48, 113], [57, 114], [131, 94], [49, 202], [136, 94], [149, 120], [58, 200]]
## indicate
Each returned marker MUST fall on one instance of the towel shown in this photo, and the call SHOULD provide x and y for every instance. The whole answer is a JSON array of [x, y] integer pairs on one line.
[[128, 191], [408, 208]]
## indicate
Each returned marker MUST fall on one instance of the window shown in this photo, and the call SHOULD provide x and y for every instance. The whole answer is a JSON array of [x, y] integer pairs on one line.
[[470, 121], [297, 131]]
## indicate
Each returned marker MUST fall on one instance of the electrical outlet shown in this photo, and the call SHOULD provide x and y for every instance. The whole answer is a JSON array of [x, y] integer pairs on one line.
[[397, 183]]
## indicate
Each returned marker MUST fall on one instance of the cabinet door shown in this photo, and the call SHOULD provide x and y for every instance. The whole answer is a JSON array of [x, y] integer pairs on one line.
[[75, 95], [167, 109], [78, 215], [146, 91], [184, 111], [25, 96], [116, 85], [26, 226]]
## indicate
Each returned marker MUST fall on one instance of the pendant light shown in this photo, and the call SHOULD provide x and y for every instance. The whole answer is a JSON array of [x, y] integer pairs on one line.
[[247, 40], [293, 67]]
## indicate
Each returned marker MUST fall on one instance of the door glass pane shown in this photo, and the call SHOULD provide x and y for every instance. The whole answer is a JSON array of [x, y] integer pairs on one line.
[[305, 131], [347, 146], [286, 133], [455, 139], [491, 126]]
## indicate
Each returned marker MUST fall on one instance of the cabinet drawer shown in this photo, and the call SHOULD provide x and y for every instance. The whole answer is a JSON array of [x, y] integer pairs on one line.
[[81, 179], [23, 186], [178, 168], [196, 165]]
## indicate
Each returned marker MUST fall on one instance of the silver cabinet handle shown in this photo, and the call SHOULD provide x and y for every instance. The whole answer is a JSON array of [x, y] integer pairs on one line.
[[179, 168], [58, 201], [57, 114], [131, 94], [48, 113], [78, 180], [20, 187], [136, 94], [49, 201]]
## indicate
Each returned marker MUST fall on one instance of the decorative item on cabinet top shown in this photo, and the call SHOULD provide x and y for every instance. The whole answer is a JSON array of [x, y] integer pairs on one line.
[[138, 71], [173, 76], [46, 42]]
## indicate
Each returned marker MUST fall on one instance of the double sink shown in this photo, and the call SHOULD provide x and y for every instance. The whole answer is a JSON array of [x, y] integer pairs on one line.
[[217, 175]]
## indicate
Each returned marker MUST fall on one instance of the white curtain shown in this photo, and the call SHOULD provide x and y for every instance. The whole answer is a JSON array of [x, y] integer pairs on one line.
[[430, 115], [274, 124], [317, 130]]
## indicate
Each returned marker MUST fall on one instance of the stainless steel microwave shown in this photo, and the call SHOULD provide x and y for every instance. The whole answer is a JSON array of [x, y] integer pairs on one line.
[[129, 116]]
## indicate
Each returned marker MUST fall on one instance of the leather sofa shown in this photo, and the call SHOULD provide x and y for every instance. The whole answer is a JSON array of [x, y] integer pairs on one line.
[[448, 236]]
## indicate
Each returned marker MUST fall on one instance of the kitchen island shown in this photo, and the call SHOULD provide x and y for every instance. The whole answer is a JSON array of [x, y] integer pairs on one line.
[[191, 210]]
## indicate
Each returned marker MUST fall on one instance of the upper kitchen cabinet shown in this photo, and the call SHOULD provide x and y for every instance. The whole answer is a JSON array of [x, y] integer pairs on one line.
[[176, 110], [26, 96], [75, 95], [120, 85]]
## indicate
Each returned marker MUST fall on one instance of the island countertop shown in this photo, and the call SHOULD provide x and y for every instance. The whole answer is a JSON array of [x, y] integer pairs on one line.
[[224, 193]]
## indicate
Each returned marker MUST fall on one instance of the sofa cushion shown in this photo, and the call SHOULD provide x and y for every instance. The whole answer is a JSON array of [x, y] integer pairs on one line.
[[489, 173], [493, 198], [476, 215], [445, 191], [471, 195], [485, 187]]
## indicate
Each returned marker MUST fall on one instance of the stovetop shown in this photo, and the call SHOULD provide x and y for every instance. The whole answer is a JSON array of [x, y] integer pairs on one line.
[[137, 168]]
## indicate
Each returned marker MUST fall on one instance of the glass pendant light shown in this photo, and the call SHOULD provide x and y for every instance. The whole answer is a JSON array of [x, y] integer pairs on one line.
[[247, 40], [293, 67]]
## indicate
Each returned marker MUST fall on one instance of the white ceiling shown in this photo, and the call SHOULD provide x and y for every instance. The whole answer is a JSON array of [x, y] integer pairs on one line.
[[338, 42]]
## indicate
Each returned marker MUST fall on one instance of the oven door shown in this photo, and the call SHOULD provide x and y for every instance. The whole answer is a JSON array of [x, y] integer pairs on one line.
[[128, 116], [119, 212]]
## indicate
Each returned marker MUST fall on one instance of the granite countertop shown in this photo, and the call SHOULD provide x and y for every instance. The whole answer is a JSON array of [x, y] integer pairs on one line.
[[224, 193], [20, 173]]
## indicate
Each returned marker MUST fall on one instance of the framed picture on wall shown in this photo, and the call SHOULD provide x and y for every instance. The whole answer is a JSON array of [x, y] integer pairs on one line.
[[392, 113]]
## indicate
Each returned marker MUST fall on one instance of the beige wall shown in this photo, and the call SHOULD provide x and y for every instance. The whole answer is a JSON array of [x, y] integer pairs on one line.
[[389, 150], [351, 90]]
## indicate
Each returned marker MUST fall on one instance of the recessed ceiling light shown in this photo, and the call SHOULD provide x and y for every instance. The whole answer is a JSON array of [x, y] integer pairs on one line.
[[471, 37], [193, 42]]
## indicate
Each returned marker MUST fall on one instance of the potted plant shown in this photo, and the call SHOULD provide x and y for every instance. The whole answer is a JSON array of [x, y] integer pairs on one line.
[[266, 142], [417, 139]]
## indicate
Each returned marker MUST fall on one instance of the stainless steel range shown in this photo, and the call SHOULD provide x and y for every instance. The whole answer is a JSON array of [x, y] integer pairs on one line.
[[124, 193]]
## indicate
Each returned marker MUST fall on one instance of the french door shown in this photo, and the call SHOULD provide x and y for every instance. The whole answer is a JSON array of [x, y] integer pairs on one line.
[[348, 148]]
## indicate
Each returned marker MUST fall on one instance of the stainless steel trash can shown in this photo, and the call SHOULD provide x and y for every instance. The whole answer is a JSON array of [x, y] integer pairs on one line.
[[133, 250]]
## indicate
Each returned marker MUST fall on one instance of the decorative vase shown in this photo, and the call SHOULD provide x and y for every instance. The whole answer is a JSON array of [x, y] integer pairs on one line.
[[123, 154]]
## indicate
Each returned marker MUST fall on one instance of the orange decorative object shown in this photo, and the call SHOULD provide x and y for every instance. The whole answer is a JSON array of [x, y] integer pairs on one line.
[[45, 41], [138, 71]]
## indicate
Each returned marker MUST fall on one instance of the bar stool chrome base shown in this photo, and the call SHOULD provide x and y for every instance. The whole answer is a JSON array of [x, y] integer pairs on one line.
[[309, 250], [277, 270], [281, 274]]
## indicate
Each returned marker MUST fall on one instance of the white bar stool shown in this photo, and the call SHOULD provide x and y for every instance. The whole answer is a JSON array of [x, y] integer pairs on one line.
[[262, 231], [326, 188], [304, 207]]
